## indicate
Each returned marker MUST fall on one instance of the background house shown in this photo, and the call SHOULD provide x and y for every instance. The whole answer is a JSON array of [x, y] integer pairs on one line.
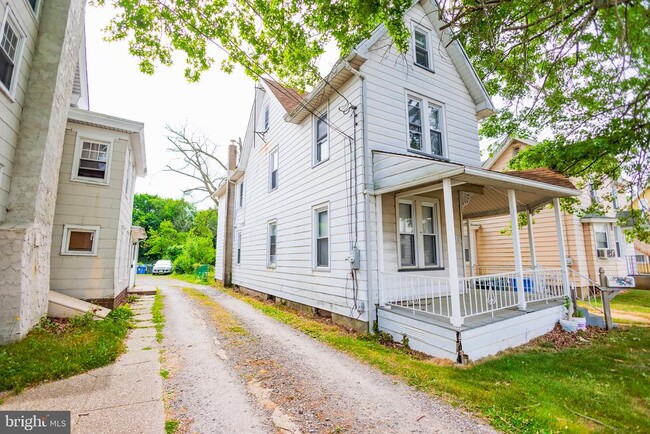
[[592, 242]]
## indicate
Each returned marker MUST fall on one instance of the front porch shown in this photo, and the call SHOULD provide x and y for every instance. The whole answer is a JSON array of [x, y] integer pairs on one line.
[[425, 290]]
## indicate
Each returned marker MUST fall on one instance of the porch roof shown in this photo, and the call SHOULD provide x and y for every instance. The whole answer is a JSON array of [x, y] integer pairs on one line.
[[399, 173]]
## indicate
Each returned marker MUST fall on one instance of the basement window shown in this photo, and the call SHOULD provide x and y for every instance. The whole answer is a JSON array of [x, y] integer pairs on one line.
[[80, 240]]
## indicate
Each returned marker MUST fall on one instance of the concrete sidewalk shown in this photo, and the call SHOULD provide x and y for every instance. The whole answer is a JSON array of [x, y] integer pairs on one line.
[[123, 397]]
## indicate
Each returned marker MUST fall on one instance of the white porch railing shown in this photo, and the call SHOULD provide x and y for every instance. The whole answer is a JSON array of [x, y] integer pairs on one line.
[[416, 292], [477, 295], [586, 290]]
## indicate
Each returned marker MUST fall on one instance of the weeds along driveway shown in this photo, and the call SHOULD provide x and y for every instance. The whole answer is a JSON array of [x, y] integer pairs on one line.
[[233, 369]]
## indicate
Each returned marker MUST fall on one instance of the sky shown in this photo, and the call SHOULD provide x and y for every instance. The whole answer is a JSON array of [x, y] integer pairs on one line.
[[218, 106]]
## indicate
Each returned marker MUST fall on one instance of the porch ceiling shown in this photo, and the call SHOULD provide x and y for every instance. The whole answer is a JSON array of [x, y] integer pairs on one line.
[[403, 174]]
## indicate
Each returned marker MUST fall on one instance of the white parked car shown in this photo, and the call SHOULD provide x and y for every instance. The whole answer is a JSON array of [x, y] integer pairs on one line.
[[164, 266]]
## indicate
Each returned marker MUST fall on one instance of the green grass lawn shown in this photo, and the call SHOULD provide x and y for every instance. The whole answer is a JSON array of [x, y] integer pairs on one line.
[[51, 351], [630, 307], [604, 386]]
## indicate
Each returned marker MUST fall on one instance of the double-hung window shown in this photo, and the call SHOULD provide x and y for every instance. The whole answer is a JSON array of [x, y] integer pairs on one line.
[[272, 244], [601, 234], [418, 233], [11, 39], [422, 52], [425, 126], [92, 161], [273, 168], [321, 139], [322, 237]]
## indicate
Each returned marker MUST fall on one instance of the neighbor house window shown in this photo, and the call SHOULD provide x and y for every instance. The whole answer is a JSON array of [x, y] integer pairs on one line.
[[80, 240], [429, 140], [322, 237], [10, 44], [238, 248], [419, 234], [421, 47], [601, 235], [593, 194], [614, 197], [92, 161], [618, 240], [321, 142], [273, 244], [406, 234], [273, 169], [240, 195]]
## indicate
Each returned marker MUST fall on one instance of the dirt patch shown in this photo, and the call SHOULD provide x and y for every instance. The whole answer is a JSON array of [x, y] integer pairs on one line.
[[558, 339]]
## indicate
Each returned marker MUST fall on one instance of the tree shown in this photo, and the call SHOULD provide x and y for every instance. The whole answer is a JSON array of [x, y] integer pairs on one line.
[[165, 242], [198, 160], [577, 69], [205, 224]]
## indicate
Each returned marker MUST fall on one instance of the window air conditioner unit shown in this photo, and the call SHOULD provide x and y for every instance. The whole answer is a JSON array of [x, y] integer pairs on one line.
[[606, 253]]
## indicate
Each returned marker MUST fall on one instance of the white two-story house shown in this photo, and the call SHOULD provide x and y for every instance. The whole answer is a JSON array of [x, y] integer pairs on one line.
[[349, 200]]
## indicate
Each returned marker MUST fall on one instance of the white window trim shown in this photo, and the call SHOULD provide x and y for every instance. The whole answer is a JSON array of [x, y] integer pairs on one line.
[[9, 16], [35, 12], [77, 156], [417, 203], [427, 33], [66, 235], [607, 234], [270, 264], [316, 117], [425, 102], [314, 223], [275, 150]]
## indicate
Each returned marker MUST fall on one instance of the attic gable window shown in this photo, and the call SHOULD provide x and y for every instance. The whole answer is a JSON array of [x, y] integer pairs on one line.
[[10, 46], [421, 48]]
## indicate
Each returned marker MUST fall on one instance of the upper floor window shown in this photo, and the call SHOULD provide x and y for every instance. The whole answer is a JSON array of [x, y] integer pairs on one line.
[[240, 195], [601, 234], [33, 4], [267, 116], [92, 161], [425, 138], [422, 51], [321, 139], [10, 45], [274, 160]]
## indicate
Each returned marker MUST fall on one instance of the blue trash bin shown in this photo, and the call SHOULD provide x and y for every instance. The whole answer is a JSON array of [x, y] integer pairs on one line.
[[528, 284], [142, 269]]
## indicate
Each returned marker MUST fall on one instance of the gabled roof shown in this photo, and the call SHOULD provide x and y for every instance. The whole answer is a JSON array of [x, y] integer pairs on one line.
[[289, 98]]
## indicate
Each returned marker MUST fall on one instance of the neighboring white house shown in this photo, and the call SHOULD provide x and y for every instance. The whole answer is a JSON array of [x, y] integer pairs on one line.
[[43, 92], [349, 200], [92, 247]]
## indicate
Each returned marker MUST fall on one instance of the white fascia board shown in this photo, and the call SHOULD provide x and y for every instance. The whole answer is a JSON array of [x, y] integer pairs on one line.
[[425, 179]]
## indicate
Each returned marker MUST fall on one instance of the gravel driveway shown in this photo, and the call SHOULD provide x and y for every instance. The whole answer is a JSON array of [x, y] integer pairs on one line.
[[277, 379]]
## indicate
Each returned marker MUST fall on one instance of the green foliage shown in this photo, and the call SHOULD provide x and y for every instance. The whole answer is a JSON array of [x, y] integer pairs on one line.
[[171, 426], [284, 38], [196, 251], [158, 318], [52, 351], [165, 241]]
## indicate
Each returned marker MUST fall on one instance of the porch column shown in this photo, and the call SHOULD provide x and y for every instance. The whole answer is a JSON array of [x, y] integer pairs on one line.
[[531, 241], [562, 251], [516, 245], [472, 247], [452, 258]]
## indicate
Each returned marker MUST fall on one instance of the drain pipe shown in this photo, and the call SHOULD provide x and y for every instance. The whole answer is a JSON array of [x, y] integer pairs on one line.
[[367, 182]]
